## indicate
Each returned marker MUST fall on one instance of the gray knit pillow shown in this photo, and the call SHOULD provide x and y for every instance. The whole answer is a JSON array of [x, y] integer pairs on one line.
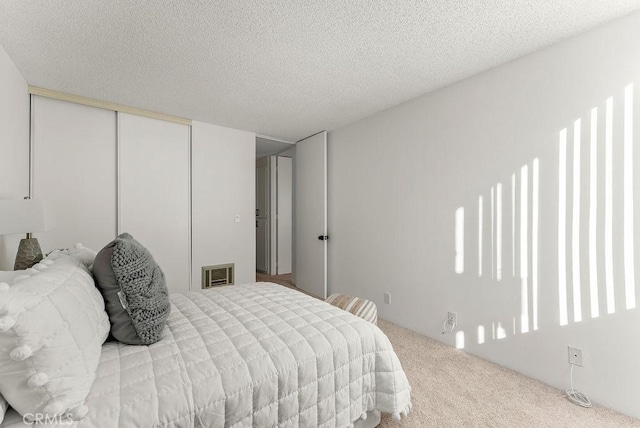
[[134, 289]]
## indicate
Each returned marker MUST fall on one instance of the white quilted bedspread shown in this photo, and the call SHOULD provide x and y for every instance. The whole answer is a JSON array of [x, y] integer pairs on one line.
[[256, 355]]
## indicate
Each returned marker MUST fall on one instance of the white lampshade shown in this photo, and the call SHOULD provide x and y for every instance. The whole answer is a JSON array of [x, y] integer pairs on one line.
[[22, 216]]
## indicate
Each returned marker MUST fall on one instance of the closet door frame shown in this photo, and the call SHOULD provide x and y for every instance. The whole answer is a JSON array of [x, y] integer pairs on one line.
[[118, 109]]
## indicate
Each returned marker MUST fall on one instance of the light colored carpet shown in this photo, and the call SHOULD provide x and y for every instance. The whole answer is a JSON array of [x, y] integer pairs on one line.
[[284, 279], [451, 388]]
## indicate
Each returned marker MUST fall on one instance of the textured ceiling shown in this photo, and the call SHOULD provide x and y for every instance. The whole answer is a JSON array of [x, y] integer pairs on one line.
[[281, 68]]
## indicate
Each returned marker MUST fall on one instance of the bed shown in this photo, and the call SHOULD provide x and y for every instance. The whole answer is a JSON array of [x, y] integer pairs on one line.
[[255, 355]]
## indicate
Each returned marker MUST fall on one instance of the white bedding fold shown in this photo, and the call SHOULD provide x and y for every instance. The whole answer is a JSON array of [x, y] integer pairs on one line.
[[256, 355]]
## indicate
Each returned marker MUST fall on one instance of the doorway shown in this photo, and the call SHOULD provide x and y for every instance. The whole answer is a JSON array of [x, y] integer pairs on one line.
[[274, 210]]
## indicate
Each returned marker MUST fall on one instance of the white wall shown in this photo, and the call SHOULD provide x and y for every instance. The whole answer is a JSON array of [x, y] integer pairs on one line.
[[14, 146], [223, 171], [397, 178]]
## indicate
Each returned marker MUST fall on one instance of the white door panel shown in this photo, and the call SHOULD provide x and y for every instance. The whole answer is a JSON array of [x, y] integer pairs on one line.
[[154, 192], [74, 172], [311, 214]]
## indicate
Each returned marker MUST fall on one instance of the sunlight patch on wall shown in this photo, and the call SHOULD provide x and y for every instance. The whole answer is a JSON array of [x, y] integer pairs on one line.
[[525, 209], [575, 230], [562, 232], [608, 207], [501, 333], [513, 225], [498, 332], [480, 228], [593, 216], [499, 231], [629, 259], [524, 246], [459, 240], [493, 218], [586, 239], [617, 180], [534, 240], [460, 339]]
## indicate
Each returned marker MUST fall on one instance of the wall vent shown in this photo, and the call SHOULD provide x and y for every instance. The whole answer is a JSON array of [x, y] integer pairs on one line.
[[213, 276]]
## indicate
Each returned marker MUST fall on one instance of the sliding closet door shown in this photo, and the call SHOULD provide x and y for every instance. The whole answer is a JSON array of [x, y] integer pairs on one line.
[[74, 172], [154, 192]]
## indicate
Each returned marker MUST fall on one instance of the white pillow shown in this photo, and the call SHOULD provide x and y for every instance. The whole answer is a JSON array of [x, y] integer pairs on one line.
[[8, 276], [3, 408], [52, 327], [80, 252]]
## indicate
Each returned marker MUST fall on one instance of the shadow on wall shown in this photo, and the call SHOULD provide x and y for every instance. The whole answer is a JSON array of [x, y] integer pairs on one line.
[[595, 171]]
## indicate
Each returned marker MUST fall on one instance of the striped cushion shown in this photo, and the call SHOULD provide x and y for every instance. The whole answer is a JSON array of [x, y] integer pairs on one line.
[[363, 308]]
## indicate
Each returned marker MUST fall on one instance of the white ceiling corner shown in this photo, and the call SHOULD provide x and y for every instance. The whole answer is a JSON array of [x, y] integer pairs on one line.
[[278, 67]]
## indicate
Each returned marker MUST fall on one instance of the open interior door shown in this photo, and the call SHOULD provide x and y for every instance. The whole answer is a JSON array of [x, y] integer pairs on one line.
[[311, 214]]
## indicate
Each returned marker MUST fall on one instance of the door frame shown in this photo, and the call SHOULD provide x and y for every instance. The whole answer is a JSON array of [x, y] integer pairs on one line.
[[265, 161]]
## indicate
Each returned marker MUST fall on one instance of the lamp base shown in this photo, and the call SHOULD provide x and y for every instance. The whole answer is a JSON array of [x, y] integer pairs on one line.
[[29, 253]]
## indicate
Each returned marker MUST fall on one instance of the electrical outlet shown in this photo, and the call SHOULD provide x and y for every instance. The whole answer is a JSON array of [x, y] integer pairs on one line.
[[450, 323], [452, 318], [575, 356], [387, 298]]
